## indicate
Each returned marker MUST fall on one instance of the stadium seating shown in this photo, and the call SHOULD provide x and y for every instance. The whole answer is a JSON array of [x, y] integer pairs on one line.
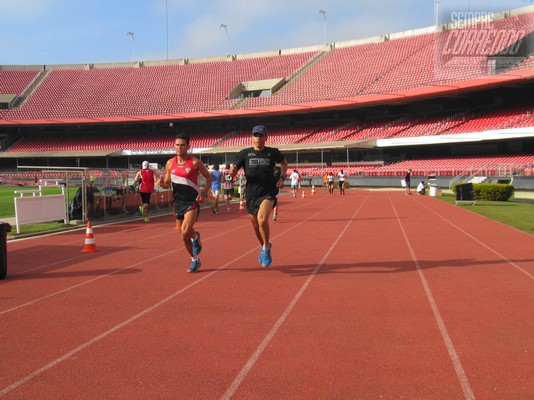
[[16, 81], [388, 65], [517, 117], [128, 91], [491, 165]]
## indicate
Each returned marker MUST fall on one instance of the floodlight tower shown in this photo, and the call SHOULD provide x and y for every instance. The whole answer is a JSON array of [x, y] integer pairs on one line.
[[167, 26], [436, 12], [226, 31], [133, 45], [323, 12]]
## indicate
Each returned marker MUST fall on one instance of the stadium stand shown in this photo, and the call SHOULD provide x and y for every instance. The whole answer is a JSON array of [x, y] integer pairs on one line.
[[16, 81], [454, 124], [390, 63], [496, 165], [342, 75]]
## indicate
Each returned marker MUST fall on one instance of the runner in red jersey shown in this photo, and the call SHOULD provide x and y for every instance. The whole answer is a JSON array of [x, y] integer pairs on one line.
[[145, 178], [182, 173]]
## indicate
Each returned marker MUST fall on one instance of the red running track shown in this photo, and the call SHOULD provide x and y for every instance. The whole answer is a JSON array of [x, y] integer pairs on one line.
[[371, 295]]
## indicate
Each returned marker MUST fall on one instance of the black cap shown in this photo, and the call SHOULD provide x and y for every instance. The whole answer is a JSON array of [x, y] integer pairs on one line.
[[259, 129]]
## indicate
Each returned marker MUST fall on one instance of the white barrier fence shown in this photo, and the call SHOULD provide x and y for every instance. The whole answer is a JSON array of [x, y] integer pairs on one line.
[[39, 208]]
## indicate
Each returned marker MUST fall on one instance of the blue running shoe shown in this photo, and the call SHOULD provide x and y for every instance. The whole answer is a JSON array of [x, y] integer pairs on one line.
[[197, 246], [195, 265], [265, 258]]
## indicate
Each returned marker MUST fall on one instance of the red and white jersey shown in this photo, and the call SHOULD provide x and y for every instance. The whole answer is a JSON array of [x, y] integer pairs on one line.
[[184, 179]]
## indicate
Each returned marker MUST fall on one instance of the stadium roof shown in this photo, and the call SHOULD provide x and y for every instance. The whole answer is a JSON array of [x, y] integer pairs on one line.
[[357, 97]]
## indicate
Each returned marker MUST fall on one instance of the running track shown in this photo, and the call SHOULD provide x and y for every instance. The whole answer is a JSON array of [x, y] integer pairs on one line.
[[371, 295]]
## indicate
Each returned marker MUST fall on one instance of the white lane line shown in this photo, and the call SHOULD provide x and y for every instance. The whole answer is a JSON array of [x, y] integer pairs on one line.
[[148, 260], [99, 337], [83, 255], [453, 354], [267, 339], [531, 276], [142, 313]]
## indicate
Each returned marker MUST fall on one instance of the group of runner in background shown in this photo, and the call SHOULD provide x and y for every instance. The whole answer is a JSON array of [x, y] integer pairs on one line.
[[223, 183], [328, 180]]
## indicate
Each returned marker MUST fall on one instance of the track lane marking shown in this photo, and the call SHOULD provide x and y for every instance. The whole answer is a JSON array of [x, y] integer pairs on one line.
[[449, 345], [487, 247], [148, 260], [234, 386], [107, 333]]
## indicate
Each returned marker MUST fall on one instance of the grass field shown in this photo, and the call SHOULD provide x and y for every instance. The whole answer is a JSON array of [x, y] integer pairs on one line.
[[7, 204], [515, 213]]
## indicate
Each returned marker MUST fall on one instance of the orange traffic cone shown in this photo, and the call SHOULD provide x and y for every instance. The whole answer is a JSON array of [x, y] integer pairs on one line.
[[89, 246], [313, 190], [177, 225], [303, 194], [241, 206]]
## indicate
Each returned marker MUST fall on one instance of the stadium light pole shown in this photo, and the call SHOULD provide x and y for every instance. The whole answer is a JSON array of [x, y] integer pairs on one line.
[[226, 31], [167, 26], [133, 44], [324, 16]]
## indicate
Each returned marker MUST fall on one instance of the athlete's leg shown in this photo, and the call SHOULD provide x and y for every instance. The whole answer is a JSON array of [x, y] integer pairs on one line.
[[186, 229], [260, 222]]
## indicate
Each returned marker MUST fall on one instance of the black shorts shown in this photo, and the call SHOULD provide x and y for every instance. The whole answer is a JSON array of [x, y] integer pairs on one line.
[[229, 192], [253, 205], [180, 208], [145, 197]]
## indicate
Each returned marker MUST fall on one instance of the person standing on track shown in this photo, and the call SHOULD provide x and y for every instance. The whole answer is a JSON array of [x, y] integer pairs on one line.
[[342, 178], [216, 188], [295, 179], [325, 181], [330, 182], [258, 162], [145, 178], [228, 186], [407, 179], [182, 172]]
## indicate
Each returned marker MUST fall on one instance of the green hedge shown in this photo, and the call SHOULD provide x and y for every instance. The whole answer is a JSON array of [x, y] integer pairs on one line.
[[490, 191]]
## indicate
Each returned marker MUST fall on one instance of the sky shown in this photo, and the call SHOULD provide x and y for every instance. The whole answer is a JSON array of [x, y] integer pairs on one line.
[[47, 32]]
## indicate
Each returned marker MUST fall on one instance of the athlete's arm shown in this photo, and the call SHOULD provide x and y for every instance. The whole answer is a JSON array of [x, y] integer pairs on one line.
[[283, 170], [137, 177], [165, 181]]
